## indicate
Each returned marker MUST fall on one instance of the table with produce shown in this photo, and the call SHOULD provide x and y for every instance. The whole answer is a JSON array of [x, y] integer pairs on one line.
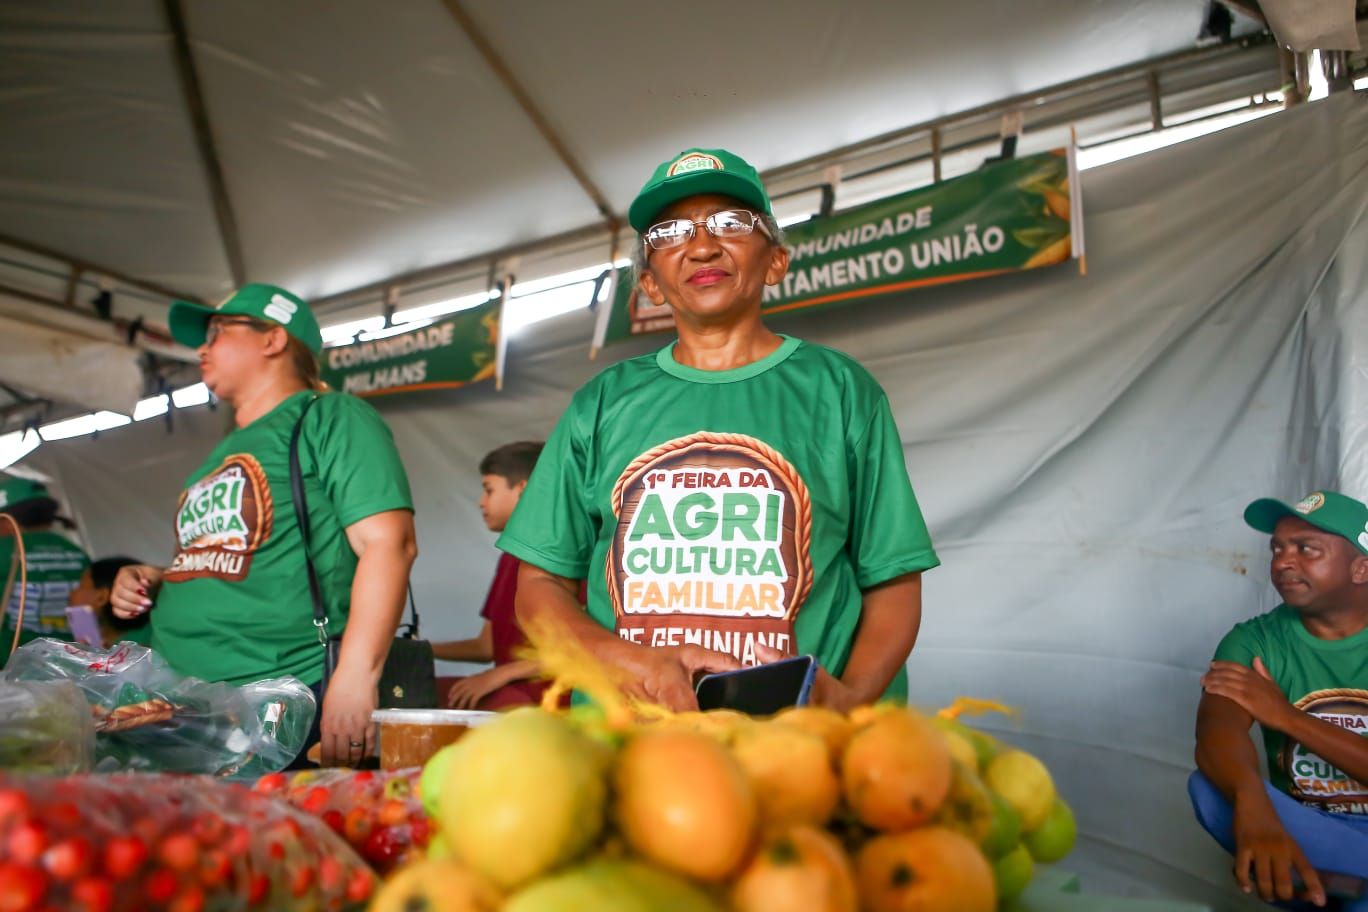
[[126, 787]]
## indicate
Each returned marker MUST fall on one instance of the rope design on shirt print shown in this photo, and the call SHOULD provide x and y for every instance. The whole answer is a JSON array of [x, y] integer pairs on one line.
[[1288, 752], [773, 460], [1355, 692]]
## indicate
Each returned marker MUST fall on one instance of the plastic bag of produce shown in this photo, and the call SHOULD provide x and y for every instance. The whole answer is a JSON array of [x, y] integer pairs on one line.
[[45, 727], [148, 717], [380, 813], [145, 841]]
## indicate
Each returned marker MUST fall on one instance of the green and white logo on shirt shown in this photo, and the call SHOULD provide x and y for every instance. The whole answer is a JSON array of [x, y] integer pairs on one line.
[[221, 521], [711, 546], [1317, 781]]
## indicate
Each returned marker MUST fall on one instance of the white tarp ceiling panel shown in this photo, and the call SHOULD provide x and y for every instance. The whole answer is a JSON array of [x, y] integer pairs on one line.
[[361, 139], [68, 368], [364, 139], [98, 157], [635, 83]]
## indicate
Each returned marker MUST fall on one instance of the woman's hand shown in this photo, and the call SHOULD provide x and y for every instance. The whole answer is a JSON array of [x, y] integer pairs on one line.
[[833, 693], [347, 732], [665, 674], [827, 689], [135, 589]]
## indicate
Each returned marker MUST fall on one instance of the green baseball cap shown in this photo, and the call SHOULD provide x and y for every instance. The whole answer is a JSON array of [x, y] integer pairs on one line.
[[1330, 511], [189, 322], [693, 172], [16, 490]]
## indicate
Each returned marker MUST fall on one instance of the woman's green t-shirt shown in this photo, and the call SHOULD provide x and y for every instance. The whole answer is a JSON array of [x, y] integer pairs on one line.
[[235, 605], [727, 508]]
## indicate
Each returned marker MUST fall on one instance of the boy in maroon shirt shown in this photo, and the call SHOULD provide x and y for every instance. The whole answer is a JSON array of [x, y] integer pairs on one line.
[[512, 681]]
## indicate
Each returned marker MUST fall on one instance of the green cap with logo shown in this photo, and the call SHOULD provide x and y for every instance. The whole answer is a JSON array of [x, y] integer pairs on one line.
[[189, 322], [16, 490], [693, 172], [1329, 511]]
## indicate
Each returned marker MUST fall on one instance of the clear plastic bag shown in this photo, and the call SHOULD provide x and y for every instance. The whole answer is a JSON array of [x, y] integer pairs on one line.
[[45, 727], [146, 841], [380, 813], [148, 717]]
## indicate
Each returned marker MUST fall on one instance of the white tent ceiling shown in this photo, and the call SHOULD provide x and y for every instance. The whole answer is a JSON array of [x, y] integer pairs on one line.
[[359, 140]]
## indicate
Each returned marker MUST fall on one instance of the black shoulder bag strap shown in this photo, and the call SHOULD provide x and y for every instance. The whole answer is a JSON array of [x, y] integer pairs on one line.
[[301, 511]]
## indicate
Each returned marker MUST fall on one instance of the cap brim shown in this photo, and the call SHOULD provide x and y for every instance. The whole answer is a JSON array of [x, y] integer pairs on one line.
[[189, 322], [1264, 514], [644, 209]]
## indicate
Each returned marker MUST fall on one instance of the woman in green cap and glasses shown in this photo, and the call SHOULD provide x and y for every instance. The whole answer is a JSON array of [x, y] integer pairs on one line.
[[235, 605], [737, 496]]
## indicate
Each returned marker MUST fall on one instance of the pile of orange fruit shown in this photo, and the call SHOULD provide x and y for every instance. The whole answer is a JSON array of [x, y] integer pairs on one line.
[[810, 810]]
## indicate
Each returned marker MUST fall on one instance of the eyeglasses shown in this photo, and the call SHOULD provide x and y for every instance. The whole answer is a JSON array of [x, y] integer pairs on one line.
[[216, 325], [729, 223]]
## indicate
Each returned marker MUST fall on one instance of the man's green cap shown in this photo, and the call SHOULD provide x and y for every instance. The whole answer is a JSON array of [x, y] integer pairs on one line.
[[694, 172], [16, 490], [189, 322], [1329, 511]]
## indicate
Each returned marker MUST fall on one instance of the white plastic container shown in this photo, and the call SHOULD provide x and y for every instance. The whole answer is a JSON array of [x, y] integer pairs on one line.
[[408, 737]]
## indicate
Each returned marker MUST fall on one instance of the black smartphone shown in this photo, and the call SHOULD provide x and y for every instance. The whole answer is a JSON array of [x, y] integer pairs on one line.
[[761, 690]]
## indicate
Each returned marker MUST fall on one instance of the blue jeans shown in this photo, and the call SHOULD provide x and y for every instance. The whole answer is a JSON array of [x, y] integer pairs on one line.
[[1335, 843]]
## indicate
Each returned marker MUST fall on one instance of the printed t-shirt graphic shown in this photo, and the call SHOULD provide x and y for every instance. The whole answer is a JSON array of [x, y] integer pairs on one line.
[[221, 520], [54, 564], [1326, 678], [712, 546], [236, 605], [808, 422], [1317, 781]]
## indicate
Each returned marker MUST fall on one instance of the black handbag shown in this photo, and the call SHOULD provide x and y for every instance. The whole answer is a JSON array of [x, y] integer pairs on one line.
[[409, 678]]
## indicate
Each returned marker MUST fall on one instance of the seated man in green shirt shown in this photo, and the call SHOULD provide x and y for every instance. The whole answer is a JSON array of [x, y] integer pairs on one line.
[[1301, 672]]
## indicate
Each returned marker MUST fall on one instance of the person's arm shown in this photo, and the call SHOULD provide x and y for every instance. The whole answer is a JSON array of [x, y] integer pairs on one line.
[[1335, 745], [889, 548], [468, 692], [385, 545], [661, 675], [135, 590], [1256, 692], [476, 649], [890, 617], [1226, 755]]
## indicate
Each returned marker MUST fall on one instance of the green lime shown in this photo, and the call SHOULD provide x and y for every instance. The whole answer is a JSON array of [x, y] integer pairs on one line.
[[1013, 873], [434, 774], [1054, 838], [1005, 832]]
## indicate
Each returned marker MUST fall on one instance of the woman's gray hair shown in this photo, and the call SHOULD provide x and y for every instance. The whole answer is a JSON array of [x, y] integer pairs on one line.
[[767, 222]]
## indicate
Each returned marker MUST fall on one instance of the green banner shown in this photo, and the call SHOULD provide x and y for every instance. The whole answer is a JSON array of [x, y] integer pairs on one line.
[[451, 352], [1005, 217]]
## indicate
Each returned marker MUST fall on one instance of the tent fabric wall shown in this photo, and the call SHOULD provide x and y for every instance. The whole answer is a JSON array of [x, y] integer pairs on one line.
[[1082, 447]]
